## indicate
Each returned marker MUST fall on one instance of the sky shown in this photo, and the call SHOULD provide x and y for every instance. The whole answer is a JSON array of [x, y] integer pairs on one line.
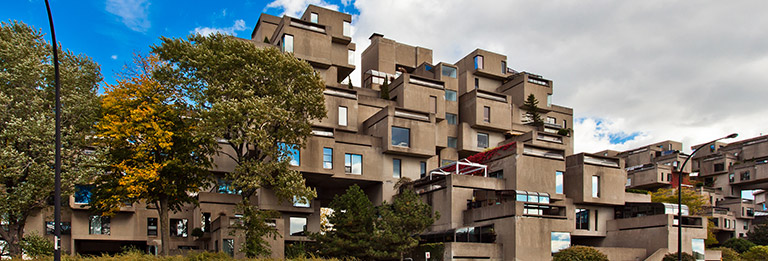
[[635, 72]]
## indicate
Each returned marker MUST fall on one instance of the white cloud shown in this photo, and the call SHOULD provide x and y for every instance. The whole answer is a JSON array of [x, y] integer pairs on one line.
[[133, 13], [685, 71], [114, 57], [295, 8], [239, 25]]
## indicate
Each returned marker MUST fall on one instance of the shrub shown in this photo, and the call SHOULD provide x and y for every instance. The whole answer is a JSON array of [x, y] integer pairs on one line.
[[198, 232], [739, 244], [638, 191], [36, 246], [756, 253], [673, 257], [205, 255], [728, 254], [758, 234], [583, 253]]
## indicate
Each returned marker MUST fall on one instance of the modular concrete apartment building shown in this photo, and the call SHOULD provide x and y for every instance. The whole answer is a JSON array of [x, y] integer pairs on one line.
[[507, 189]]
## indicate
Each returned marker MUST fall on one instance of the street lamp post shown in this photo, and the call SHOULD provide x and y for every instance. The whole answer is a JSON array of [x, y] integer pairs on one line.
[[57, 163], [680, 194]]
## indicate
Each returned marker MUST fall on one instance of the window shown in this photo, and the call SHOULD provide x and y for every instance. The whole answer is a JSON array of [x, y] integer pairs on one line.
[[596, 220], [452, 119], [551, 120], [521, 196], [327, 158], [178, 227], [560, 241], [503, 67], [298, 226], [731, 177], [595, 186], [449, 71], [98, 225], [290, 152], [401, 136], [228, 245], [486, 114], [533, 197], [152, 226], [66, 228], [582, 218], [477, 83], [433, 103], [750, 213], [565, 123], [559, 182], [669, 177], [288, 43], [206, 222], [347, 29], [353, 164], [479, 62], [452, 142], [482, 140], [629, 182], [720, 167], [351, 56], [396, 168], [499, 174], [83, 194], [450, 95], [297, 202], [313, 17], [342, 116], [746, 225], [745, 175], [225, 187], [422, 169], [549, 100], [697, 245]]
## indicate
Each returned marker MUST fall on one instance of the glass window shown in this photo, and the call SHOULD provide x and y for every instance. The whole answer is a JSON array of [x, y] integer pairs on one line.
[[549, 100], [499, 174], [347, 29], [560, 241], [503, 67], [178, 227], [66, 228], [98, 225], [297, 202], [327, 158], [559, 182], [595, 186], [521, 196], [629, 182], [351, 56], [596, 220], [422, 169], [450, 95], [452, 142], [396, 168], [206, 222], [482, 140], [731, 177], [565, 123], [449, 71], [288, 43], [401, 136], [298, 226], [228, 245], [533, 197], [582, 218], [551, 120], [477, 83], [290, 152], [151, 226], [226, 187], [83, 194], [697, 245], [479, 62], [342, 116], [486, 114], [544, 198], [353, 163], [313, 17], [452, 119]]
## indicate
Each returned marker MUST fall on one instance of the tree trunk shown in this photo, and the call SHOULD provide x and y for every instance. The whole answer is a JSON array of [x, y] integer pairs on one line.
[[13, 238], [164, 227]]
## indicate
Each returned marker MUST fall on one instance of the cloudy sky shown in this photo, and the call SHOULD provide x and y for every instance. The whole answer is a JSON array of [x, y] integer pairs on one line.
[[635, 72]]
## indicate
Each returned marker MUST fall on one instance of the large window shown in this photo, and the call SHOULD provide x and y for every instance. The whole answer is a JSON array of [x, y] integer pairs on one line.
[[452, 119], [479, 62], [327, 158], [287, 43], [298, 226], [582, 218], [450, 95], [559, 182], [228, 246], [353, 164], [178, 227], [595, 186], [83, 194], [351, 56], [347, 27], [291, 153], [401, 136], [449, 71], [98, 225], [697, 245], [396, 168], [482, 140], [66, 228], [342, 116], [452, 142], [560, 241], [151, 226], [313, 17], [486, 114], [422, 169]]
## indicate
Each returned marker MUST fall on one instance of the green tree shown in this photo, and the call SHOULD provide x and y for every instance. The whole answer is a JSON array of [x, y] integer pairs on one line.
[[673, 257], [759, 234], [728, 254], [756, 253], [582, 253], [711, 238], [252, 99], [401, 222], [693, 200], [154, 150], [385, 89], [531, 105], [36, 246], [27, 124], [352, 221], [738, 244]]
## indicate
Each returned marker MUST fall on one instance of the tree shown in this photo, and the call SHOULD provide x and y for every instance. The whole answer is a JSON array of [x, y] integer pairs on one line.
[[728, 254], [531, 105], [353, 227], [27, 125], [758, 234], [673, 257], [36, 246], [756, 253], [401, 222], [738, 244], [385, 89], [711, 238], [584, 253], [154, 150], [252, 99], [693, 200]]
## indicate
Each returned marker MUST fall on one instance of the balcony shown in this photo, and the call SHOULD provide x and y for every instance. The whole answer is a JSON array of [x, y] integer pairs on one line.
[[595, 179], [486, 110], [418, 93], [403, 132], [491, 209], [649, 176], [750, 175]]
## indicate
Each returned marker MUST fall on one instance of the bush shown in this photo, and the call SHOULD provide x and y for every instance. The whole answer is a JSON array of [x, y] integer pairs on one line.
[[583, 253], [758, 234], [756, 253], [739, 244], [728, 254], [36, 246], [638, 191], [198, 232], [673, 257], [205, 255]]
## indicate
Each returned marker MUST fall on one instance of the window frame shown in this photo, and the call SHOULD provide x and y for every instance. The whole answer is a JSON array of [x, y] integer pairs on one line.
[[303, 231], [595, 186], [344, 116], [346, 28], [487, 114], [451, 118], [559, 182], [348, 163], [314, 17], [487, 140], [451, 95], [173, 227], [397, 142], [284, 46], [327, 162], [397, 168], [102, 229], [479, 62]]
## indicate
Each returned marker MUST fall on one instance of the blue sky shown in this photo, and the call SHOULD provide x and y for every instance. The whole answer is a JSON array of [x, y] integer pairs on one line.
[[110, 31]]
